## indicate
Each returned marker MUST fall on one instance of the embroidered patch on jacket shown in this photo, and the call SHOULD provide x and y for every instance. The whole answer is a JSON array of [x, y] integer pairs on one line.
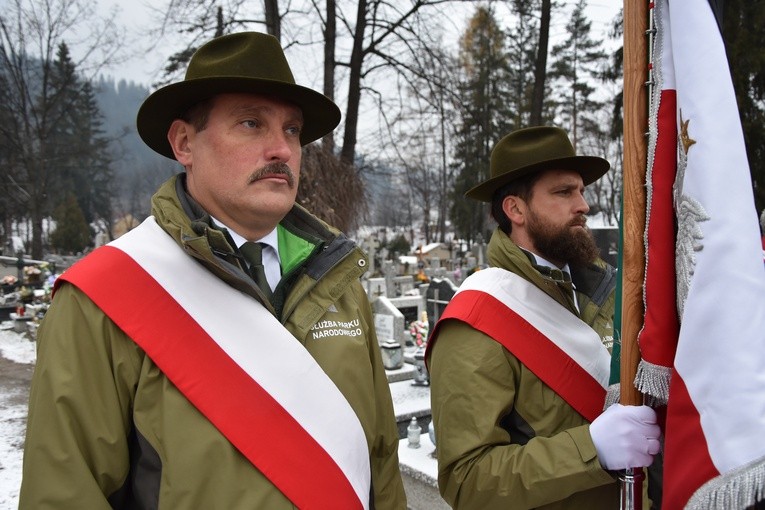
[[333, 329]]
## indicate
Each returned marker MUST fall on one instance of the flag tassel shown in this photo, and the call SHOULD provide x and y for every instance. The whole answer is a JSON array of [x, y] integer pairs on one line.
[[739, 488], [653, 381]]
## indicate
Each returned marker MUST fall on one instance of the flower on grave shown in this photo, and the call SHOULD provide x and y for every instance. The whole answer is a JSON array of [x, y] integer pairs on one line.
[[26, 295], [473, 269], [31, 270], [418, 330], [9, 280], [32, 274]]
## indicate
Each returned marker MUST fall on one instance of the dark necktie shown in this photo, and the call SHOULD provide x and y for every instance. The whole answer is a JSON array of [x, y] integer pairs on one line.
[[567, 279], [253, 253]]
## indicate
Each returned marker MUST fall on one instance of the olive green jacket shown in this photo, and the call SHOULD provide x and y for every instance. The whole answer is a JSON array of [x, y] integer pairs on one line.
[[505, 440], [107, 429]]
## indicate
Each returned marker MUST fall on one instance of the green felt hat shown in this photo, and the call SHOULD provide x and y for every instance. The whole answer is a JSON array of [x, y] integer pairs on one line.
[[531, 150], [247, 62]]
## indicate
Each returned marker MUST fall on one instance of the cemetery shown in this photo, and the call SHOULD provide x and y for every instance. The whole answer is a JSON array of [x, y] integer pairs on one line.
[[405, 308]]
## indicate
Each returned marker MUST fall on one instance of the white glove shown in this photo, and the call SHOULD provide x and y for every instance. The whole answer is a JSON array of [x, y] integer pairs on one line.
[[626, 436]]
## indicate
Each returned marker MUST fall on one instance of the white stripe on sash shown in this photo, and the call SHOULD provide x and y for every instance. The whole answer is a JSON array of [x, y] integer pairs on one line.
[[578, 340]]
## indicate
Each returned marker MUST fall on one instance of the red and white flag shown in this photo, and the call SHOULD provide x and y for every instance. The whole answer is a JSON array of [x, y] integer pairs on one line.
[[707, 355]]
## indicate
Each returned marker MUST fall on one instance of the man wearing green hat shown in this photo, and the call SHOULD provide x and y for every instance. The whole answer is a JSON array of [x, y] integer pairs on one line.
[[223, 353], [519, 361]]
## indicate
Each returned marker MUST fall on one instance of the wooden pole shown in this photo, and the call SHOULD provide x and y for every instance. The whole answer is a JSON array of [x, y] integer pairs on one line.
[[634, 172], [633, 222]]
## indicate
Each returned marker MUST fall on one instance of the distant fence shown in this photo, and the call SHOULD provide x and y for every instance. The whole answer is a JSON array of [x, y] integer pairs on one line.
[[12, 265]]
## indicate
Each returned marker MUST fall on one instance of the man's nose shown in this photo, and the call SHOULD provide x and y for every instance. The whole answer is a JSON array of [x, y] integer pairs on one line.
[[582, 206], [278, 147]]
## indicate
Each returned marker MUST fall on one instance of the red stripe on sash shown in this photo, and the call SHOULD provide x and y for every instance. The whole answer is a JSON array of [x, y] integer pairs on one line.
[[540, 354], [256, 424]]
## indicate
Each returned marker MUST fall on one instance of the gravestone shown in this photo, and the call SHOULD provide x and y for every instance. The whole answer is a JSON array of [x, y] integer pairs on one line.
[[439, 293], [389, 321], [370, 246], [410, 313], [607, 239], [389, 273], [403, 285], [392, 355], [376, 287]]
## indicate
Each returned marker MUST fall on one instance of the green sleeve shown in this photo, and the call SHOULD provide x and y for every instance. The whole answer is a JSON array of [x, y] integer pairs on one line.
[[76, 449], [475, 383]]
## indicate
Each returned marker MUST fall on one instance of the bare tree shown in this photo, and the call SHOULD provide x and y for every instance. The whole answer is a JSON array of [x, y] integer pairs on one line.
[[331, 189], [540, 69], [421, 132], [604, 194], [273, 18], [330, 41], [37, 98], [201, 20], [384, 38]]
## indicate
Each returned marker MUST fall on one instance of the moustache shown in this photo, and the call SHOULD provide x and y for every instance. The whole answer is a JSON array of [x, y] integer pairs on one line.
[[580, 221], [273, 169]]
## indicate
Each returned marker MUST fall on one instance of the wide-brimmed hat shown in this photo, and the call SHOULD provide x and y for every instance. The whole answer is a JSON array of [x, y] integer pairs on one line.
[[248, 62], [531, 150]]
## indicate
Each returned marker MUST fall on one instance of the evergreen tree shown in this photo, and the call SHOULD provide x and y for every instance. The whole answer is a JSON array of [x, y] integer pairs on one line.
[[484, 117], [94, 177], [72, 234], [63, 145], [578, 61], [523, 44], [398, 246], [614, 73], [11, 205], [744, 35], [79, 146]]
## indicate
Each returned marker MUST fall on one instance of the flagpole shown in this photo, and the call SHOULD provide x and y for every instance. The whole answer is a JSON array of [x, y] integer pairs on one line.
[[635, 60]]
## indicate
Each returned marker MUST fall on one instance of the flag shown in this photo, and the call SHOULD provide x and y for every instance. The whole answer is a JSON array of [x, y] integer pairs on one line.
[[703, 340]]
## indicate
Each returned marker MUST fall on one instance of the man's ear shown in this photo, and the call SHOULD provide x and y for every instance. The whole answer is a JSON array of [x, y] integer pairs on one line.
[[515, 209], [179, 137]]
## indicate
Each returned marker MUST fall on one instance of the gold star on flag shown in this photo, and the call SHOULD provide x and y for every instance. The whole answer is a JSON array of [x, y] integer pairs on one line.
[[686, 140]]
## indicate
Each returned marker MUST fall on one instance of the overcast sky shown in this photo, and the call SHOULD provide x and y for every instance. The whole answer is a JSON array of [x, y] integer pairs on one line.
[[148, 57]]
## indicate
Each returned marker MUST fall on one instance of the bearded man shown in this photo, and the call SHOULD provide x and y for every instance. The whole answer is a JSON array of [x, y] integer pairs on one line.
[[519, 362]]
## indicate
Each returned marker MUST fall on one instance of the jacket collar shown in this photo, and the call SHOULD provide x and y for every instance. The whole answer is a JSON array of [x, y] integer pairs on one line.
[[595, 280]]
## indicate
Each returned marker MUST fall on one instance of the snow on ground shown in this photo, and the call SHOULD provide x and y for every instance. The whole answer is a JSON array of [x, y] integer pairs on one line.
[[13, 411], [16, 347]]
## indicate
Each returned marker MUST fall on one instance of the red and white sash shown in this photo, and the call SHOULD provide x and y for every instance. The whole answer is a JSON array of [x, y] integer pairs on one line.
[[560, 349], [234, 362]]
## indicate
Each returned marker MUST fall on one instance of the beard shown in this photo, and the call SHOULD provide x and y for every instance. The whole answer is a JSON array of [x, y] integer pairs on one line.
[[561, 243]]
